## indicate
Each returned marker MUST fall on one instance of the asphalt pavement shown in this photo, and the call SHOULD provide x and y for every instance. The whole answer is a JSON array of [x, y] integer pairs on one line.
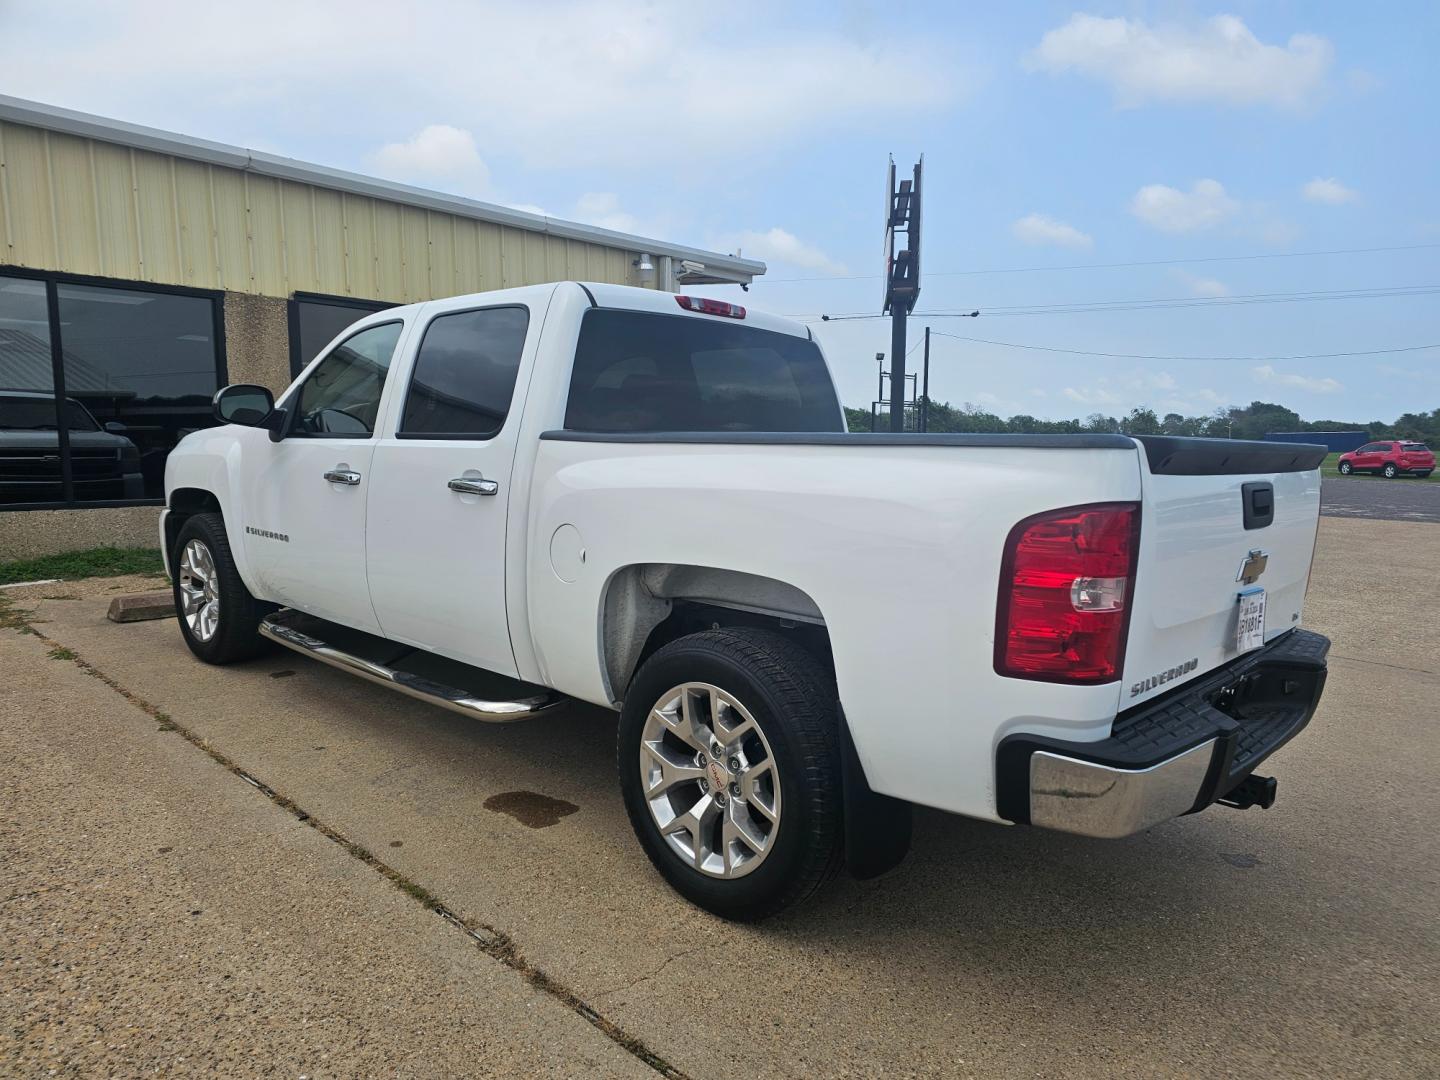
[[1402, 499], [1298, 941]]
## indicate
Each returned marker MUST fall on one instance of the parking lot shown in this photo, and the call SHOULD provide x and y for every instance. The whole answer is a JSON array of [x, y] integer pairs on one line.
[[1401, 499], [276, 867]]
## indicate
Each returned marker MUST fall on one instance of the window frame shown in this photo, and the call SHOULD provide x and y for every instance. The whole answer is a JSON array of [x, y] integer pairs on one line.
[[52, 280], [292, 399], [292, 319], [430, 436]]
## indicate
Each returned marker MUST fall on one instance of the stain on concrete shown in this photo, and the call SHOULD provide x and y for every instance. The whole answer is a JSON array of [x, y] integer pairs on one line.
[[530, 808], [1242, 859], [281, 674]]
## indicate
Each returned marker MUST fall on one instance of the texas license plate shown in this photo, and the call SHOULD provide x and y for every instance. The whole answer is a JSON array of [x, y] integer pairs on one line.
[[1250, 630]]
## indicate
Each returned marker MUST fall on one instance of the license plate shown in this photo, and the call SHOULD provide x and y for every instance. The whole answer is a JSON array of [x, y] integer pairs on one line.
[[1250, 630]]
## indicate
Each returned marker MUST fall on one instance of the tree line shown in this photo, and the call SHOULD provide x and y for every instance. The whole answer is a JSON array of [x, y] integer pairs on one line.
[[1248, 422]]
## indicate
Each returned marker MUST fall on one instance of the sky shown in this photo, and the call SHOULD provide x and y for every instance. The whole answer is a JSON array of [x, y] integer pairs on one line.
[[1222, 147]]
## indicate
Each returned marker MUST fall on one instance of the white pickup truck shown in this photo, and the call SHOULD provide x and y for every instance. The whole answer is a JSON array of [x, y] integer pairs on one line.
[[501, 502]]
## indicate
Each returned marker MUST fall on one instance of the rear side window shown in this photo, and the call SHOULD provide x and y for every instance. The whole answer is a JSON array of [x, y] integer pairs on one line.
[[464, 374], [643, 372], [1414, 447]]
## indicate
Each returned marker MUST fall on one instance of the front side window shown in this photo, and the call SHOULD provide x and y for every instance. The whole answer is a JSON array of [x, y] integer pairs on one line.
[[465, 374], [642, 372], [341, 398]]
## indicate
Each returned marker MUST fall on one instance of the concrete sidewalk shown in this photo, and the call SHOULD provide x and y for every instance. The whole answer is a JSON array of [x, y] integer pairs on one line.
[[158, 916], [1298, 941]]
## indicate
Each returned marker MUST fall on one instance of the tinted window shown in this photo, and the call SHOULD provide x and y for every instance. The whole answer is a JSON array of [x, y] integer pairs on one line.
[[1414, 447], [1383, 448], [465, 373], [342, 395], [319, 322], [140, 367], [637, 371]]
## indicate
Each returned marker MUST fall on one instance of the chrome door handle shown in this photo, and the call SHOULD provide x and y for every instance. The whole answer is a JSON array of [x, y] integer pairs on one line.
[[466, 486], [343, 476]]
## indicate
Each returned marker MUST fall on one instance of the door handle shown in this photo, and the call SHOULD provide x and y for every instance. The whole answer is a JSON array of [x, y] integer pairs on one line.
[[466, 486], [343, 476]]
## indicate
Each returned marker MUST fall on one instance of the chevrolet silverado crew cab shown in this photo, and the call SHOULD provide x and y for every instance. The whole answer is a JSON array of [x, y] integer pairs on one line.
[[502, 502]]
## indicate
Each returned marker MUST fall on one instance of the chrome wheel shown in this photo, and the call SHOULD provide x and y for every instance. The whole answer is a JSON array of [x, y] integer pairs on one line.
[[709, 778], [199, 591]]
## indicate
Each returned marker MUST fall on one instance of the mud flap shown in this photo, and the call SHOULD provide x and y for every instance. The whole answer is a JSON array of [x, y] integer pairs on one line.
[[877, 827]]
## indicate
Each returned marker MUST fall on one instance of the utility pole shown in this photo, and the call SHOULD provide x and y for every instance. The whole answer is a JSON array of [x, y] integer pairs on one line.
[[925, 393], [902, 277]]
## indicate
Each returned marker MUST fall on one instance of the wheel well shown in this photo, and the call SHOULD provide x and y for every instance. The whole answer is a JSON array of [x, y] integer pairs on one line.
[[648, 605], [185, 503]]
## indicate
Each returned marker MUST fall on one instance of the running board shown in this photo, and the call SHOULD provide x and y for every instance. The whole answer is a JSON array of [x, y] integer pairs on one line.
[[470, 691]]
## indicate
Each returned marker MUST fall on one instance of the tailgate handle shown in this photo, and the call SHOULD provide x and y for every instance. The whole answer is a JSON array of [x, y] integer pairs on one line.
[[1258, 500]]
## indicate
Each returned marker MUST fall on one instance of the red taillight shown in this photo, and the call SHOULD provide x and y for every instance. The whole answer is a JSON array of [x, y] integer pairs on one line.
[[1065, 585], [711, 307]]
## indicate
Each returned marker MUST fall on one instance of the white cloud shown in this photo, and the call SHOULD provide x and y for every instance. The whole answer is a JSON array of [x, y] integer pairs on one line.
[[1203, 286], [1169, 209], [602, 208], [1328, 190], [1091, 395], [1040, 229], [784, 247], [438, 152], [567, 83], [1324, 385], [1217, 60]]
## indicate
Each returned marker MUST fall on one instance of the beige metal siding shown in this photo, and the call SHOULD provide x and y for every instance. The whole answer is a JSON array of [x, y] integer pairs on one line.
[[89, 207]]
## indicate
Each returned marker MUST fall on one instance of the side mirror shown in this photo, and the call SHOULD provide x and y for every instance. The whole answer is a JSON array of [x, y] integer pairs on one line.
[[243, 404], [115, 427]]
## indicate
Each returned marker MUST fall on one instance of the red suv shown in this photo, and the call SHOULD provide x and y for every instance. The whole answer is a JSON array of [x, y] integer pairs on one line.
[[1389, 459]]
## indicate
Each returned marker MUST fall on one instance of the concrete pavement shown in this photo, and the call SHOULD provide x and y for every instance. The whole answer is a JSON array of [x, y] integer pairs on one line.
[[1296, 941]]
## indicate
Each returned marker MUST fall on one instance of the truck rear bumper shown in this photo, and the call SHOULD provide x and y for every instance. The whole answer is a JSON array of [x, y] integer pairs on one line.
[[1170, 756]]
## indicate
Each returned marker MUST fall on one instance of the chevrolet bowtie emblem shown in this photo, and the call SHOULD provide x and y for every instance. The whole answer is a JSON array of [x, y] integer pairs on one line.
[[1252, 567]]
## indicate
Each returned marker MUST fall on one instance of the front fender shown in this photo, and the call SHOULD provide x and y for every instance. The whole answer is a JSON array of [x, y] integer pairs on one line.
[[209, 462]]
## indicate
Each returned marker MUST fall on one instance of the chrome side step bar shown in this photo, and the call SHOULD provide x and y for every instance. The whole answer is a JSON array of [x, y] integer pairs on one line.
[[298, 631]]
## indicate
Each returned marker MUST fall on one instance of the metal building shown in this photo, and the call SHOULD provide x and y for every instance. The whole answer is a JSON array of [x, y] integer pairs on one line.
[[140, 270]]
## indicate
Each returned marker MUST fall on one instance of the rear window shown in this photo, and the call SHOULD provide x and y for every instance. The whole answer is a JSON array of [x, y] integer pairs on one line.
[[1414, 448], [639, 371]]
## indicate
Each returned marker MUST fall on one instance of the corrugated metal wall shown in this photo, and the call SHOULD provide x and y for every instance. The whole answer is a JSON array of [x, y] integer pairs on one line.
[[88, 207]]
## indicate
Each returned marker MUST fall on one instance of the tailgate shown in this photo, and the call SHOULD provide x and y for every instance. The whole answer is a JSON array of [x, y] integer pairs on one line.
[[1206, 506]]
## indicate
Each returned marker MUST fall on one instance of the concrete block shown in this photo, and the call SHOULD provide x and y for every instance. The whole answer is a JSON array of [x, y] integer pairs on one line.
[[138, 607]]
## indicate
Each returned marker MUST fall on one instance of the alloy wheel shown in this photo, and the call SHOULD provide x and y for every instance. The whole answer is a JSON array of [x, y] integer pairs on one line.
[[199, 591], [710, 780]]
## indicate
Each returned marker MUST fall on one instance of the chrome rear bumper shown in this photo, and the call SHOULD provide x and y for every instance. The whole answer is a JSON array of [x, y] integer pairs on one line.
[[1100, 800], [1170, 756]]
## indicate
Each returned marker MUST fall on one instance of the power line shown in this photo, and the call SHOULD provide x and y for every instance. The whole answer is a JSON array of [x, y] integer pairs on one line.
[[1159, 303], [1121, 265], [1143, 356]]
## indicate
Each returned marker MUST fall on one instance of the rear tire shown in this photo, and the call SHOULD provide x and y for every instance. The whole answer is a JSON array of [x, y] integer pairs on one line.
[[764, 843], [1389, 472], [1346, 468], [1423, 475], [218, 617]]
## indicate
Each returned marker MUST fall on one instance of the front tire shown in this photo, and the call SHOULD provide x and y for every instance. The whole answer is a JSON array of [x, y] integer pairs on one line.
[[1346, 468], [758, 828], [1389, 472], [218, 617]]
